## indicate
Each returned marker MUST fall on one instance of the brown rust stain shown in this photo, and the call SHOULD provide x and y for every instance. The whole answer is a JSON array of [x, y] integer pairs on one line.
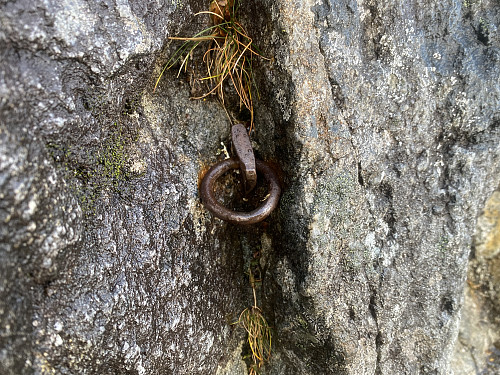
[[492, 214]]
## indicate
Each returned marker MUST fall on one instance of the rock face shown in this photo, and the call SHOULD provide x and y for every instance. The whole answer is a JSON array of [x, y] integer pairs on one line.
[[478, 346], [383, 117]]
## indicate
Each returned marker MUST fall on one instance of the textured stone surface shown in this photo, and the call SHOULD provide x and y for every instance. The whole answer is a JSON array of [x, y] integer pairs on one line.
[[108, 263], [478, 346], [383, 116], [393, 148]]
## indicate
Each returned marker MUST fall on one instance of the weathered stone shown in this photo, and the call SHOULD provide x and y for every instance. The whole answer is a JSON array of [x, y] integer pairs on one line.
[[383, 117], [393, 120], [109, 264], [477, 349], [487, 238]]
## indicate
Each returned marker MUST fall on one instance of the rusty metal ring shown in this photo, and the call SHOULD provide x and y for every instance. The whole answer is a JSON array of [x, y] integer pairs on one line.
[[252, 217]]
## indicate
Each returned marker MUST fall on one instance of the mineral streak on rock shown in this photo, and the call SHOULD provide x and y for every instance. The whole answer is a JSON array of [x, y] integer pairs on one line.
[[478, 345]]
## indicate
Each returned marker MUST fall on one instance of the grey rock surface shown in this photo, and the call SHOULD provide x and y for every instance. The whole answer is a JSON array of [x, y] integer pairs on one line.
[[109, 265], [394, 158], [383, 117]]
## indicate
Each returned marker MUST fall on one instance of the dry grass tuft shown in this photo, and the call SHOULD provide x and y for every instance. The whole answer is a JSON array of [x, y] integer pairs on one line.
[[258, 330], [228, 57], [259, 336]]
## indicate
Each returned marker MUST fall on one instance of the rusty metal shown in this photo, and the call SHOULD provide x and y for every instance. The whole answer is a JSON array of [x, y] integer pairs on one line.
[[243, 147], [252, 217]]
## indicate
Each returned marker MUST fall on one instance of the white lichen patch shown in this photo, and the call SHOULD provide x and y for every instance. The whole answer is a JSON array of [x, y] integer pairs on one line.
[[142, 41], [43, 366], [200, 217], [152, 111], [136, 163], [32, 204], [73, 20]]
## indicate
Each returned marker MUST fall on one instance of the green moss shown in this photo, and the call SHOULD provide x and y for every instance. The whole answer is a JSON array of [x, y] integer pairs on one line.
[[443, 244], [484, 26], [101, 168], [113, 159], [468, 3]]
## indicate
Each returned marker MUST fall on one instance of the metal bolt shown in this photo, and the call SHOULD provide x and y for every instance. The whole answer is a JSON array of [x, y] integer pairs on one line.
[[243, 147]]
